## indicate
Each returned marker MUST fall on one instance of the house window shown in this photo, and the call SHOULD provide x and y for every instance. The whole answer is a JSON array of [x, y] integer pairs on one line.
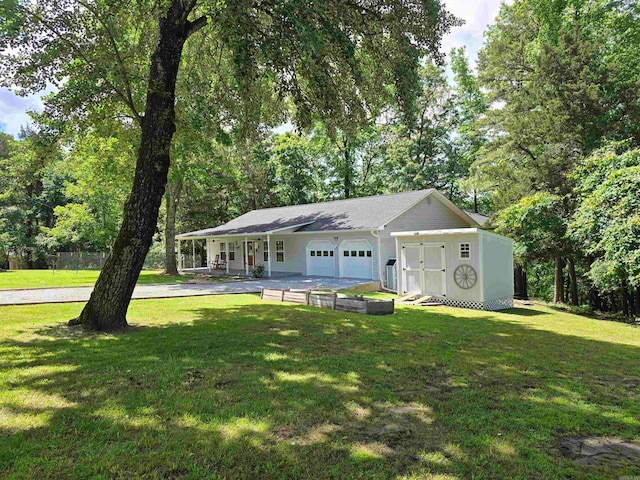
[[265, 251], [465, 251], [280, 251], [223, 251], [313, 253], [346, 253], [232, 251], [368, 253], [331, 253]]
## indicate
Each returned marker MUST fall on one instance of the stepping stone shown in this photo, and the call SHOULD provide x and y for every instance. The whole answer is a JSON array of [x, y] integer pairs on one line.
[[601, 451]]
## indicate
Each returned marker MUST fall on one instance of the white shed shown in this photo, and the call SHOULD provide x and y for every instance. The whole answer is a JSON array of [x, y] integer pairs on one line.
[[461, 267]]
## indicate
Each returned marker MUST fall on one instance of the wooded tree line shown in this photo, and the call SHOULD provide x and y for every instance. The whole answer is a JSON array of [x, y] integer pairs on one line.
[[543, 136], [216, 176]]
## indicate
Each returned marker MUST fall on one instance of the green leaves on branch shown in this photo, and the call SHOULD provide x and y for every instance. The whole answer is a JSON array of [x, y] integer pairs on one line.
[[607, 221]]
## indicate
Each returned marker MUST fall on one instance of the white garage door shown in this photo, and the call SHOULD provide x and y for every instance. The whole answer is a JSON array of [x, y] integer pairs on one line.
[[321, 261], [356, 259]]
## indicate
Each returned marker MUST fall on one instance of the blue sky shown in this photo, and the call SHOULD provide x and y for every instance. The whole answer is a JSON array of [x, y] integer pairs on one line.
[[476, 13]]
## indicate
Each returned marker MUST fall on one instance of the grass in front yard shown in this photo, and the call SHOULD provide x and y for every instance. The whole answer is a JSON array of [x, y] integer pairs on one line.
[[73, 278], [232, 387]]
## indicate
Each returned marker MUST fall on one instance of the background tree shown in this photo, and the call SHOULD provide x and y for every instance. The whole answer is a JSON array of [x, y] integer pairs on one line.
[[552, 73], [30, 190], [607, 222]]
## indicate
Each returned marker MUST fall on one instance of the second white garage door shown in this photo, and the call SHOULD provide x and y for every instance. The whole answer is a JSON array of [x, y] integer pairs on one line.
[[356, 259], [320, 259]]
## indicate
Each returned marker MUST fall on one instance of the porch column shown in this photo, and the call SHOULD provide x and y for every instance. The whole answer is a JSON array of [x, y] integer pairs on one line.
[[226, 260], [268, 255], [399, 269], [246, 255], [193, 251], [179, 256], [207, 242]]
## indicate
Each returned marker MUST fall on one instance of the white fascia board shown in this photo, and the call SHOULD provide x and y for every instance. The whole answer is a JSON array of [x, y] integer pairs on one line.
[[320, 232], [446, 231], [195, 234], [450, 231]]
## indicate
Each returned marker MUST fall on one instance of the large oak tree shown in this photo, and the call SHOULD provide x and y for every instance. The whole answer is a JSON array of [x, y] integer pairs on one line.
[[327, 59]]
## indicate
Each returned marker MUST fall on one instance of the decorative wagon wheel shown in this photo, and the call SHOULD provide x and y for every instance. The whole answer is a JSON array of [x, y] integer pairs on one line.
[[465, 276]]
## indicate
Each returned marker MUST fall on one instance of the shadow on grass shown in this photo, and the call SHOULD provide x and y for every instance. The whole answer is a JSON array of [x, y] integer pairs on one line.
[[281, 391], [524, 312]]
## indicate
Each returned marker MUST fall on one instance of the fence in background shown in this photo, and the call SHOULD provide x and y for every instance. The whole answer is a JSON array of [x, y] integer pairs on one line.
[[77, 260]]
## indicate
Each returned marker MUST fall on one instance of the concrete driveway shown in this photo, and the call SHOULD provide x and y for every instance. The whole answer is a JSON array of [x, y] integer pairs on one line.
[[82, 294]]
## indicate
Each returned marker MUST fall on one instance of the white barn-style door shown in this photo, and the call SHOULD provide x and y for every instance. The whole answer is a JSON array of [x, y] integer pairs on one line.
[[423, 269]]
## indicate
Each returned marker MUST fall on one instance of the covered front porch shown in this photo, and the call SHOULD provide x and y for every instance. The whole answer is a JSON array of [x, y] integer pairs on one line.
[[228, 255]]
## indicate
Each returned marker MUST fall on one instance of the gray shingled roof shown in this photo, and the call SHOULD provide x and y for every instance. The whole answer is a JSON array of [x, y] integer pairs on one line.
[[363, 213], [478, 217]]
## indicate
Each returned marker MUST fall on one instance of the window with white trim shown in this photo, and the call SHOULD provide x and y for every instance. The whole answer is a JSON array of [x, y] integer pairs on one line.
[[265, 251], [465, 251], [280, 251], [223, 251], [232, 251]]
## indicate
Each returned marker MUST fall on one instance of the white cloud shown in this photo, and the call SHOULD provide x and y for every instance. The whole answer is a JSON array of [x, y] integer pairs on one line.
[[13, 109], [478, 15]]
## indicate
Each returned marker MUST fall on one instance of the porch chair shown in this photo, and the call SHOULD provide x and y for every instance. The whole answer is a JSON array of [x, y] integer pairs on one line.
[[218, 264]]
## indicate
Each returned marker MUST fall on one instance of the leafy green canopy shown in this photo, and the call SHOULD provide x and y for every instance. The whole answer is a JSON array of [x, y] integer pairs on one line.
[[537, 225], [333, 59], [607, 221], [563, 77]]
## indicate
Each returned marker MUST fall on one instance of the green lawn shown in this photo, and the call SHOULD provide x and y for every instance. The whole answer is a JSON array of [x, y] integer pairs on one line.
[[72, 278], [231, 387]]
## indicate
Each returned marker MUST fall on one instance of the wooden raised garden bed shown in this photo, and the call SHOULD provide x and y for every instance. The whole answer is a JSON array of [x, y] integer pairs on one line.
[[359, 304], [323, 299], [331, 300], [296, 296]]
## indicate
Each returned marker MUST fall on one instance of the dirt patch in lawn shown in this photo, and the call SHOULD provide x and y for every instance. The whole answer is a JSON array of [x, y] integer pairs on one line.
[[601, 451]]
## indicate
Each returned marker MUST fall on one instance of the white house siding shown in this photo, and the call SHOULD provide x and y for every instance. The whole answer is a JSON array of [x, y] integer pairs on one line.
[[295, 250], [428, 214], [296, 243], [452, 260], [497, 267]]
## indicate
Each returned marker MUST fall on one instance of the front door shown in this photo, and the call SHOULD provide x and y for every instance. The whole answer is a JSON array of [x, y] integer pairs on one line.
[[250, 254], [423, 269]]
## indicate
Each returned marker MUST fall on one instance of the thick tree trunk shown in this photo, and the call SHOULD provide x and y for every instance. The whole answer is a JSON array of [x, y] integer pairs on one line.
[[637, 301], [574, 281], [107, 307], [625, 302], [172, 197], [347, 171], [521, 283], [594, 299], [612, 301], [559, 286]]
